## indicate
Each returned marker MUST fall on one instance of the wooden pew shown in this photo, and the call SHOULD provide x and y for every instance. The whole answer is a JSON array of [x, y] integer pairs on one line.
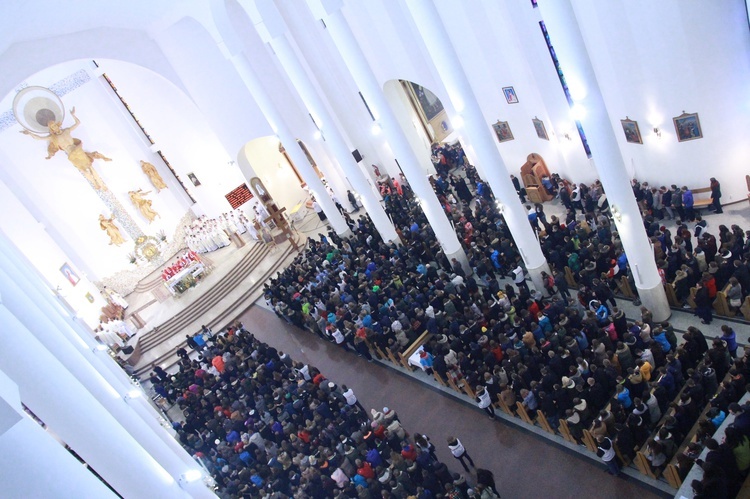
[[671, 472], [404, 356], [703, 202], [521, 410], [565, 431], [624, 286], [542, 420], [504, 407], [721, 304], [671, 295]]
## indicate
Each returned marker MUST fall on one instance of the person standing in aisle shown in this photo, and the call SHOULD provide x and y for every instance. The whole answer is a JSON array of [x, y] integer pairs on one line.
[[484, 401], [459, 452], [606, 451]]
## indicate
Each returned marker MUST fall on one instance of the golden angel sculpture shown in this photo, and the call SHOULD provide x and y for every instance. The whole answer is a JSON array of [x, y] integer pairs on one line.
[[153, 175], [143, 204], [108, 225], [60, 139]]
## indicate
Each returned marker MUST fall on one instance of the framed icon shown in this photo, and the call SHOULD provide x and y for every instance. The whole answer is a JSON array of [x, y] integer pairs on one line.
[[510, 95], [632, 132], [688, 127], [502, 131], [67, 271], [541, 131]]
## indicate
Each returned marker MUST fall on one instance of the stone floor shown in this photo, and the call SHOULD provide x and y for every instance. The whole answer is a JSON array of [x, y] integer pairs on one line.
[[524, 464]]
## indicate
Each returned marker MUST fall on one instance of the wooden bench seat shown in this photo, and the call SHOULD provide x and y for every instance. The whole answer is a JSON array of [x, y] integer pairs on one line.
[[702, 202]]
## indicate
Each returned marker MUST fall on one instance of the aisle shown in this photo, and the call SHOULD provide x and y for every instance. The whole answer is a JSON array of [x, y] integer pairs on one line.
[[524, 465]]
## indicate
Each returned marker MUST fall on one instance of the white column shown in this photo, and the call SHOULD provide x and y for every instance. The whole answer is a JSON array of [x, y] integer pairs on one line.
[[365, 79], [73, 356], [24, 444], [289, 142], [479, 133], [54, 321], [559, 18], [76, 416], [333, 138]]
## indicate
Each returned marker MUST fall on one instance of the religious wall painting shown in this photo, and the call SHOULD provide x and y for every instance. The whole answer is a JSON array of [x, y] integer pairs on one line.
[[688, 127], [541, 131], [194, 179], [502, 131], [510, 95], [631, 130], [69, 274], [430, 104]]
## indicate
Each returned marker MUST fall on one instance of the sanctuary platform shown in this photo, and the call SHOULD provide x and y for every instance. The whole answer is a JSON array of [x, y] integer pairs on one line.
[[233, 282]]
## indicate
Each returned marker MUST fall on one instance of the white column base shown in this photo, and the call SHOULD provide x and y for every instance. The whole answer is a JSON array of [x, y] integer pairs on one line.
[[655, 299], [536, 275], [346, 234], [460, 255]]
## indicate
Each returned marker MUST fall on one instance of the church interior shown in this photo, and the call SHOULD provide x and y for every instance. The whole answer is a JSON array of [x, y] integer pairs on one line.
[[177, 173]]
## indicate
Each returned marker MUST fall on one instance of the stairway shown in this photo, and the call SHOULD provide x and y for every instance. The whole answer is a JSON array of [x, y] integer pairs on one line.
[[209, 301]]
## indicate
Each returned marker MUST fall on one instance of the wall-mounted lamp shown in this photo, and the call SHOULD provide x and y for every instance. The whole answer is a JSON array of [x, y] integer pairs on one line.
[[657, 132], [567, 136], [317, 135], [616, 214], [500, 206], [457, 121], [376, 128]]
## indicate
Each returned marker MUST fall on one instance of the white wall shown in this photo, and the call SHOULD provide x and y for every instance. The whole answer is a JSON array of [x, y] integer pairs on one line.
[[272, 168], [68, 199], [181, 132], [655, 60]]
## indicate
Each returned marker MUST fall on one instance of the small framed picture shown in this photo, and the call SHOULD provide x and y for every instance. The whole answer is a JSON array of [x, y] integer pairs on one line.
[[510, 95], [502, 130], [194, 179], [541, 131], [688, 127], [67, 271], [90, 297], [632, 132]]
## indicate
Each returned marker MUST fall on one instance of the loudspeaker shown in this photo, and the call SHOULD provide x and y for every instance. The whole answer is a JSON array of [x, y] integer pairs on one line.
[[357, 155]]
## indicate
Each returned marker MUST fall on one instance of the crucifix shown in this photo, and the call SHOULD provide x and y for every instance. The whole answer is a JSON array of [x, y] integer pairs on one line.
[[277, 215]]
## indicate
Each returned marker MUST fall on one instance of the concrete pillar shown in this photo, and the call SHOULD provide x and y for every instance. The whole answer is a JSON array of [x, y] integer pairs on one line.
[[24, 445], [368, 85], [289, 142], [272, 30], [71, 371], [479, 134], [565, 35]]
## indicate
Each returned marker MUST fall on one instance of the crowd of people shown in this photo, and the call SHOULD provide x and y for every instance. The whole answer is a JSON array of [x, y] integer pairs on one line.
[[267, 426], [205, 234], [569, 356]]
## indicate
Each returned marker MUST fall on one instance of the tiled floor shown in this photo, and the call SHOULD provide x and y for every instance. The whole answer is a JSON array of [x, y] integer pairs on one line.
[[524, 465]]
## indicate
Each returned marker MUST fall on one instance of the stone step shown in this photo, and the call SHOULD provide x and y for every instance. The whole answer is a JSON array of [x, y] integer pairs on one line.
[[226, 317], [206, 301]]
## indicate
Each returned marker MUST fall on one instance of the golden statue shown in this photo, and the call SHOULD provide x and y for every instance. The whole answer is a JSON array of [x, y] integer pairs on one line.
[[59, 139], [108, 225], [153, 175], [143, 204]]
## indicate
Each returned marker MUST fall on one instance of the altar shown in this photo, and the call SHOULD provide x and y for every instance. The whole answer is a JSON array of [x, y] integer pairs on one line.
[[185, 278]]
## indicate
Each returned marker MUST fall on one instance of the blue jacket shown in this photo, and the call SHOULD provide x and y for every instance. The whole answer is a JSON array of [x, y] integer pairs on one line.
[[687, 198], [661, 338]]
